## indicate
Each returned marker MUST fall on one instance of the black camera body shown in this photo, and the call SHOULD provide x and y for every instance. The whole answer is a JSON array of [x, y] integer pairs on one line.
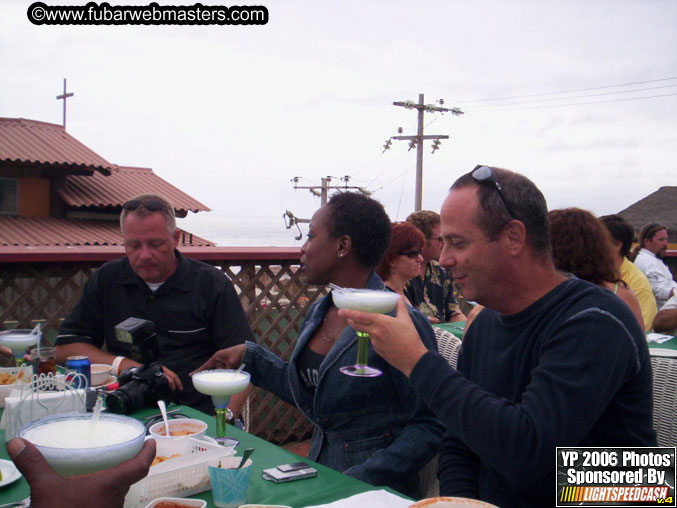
[[143, 386], [139, 387]]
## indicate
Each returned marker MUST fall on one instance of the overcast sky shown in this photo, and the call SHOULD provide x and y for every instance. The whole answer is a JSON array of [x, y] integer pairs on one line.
[[231, 113]]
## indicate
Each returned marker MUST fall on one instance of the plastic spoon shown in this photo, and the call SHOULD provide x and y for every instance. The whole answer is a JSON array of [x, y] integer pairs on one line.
[[163, 410], [245, 455]]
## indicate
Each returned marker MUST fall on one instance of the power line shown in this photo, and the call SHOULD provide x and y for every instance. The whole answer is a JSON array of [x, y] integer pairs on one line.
[[574, 103], [581, 96], [568, 91], [404, 173]]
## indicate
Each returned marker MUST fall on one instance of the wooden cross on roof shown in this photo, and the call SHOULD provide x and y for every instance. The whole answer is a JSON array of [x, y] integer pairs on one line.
[[64, 97]]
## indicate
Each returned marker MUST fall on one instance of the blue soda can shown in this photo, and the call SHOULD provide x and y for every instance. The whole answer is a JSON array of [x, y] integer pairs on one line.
[[78, 365]]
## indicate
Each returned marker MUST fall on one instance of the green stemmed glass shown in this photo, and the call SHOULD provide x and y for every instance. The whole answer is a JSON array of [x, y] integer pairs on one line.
[[366, 300], [18, 340], [220, 384]]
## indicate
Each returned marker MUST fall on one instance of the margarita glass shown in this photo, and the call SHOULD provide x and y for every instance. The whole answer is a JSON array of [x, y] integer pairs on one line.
[[220, 384], [18, 340], [366, 300]]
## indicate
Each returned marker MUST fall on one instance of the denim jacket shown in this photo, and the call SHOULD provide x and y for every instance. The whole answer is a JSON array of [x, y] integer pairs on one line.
[[373, 429]]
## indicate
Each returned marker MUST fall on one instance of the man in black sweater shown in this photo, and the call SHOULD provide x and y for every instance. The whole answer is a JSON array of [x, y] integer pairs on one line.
[[549, 362]]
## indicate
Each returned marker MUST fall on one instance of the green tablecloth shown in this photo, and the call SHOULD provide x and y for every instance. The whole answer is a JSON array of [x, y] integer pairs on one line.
[[670, 344], [329, 485], [455, 327]]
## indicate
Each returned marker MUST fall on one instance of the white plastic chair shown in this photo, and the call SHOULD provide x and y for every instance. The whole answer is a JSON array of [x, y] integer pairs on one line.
[[665, 399]]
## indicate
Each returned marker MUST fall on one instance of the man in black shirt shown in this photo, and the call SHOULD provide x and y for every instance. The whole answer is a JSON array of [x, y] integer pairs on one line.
[[549, 361], [193, 305]]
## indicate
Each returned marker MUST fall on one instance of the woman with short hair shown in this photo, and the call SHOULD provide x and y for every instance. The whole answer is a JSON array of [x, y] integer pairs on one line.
[[403, 259], [582, 246], [373, 429]]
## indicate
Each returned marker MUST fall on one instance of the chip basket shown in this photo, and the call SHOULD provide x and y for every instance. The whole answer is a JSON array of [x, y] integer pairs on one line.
[[21, 376], [178, 477]]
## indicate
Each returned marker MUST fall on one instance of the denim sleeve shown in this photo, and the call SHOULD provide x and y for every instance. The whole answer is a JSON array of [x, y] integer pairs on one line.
[[418, 442], [268, 371], [459, 469]]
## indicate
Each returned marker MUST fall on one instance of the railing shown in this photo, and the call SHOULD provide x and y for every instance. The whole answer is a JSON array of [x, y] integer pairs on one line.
[[41, 285]]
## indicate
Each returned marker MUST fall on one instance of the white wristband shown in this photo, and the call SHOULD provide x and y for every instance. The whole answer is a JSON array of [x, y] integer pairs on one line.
[[115, 366]]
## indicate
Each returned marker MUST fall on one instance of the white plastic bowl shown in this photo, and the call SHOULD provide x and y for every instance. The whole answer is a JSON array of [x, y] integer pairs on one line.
[[188, 503], [74, 461], [99, 372], [451, 502], [197, 428]]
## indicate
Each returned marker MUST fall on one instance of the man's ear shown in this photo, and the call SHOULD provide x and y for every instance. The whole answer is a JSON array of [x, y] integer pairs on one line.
[[345, 244], [514, 236], [175, 236]]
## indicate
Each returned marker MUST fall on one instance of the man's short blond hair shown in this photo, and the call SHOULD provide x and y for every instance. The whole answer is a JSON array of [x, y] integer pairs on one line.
[[425, 220], [138, 206]]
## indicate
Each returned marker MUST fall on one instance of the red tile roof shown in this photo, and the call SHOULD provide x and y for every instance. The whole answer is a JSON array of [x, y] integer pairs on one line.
[[50, 231], [31, 142], [98, 191]]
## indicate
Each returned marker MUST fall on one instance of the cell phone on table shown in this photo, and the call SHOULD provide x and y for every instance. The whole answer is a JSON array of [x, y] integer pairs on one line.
[[294, 466], [289, 472]]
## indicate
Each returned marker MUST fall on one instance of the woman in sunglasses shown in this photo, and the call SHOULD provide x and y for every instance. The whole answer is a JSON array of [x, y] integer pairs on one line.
[[374, 429], [403, 259]]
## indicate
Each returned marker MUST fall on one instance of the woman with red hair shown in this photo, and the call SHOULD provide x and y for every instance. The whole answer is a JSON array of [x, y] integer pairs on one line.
[[403, 260], [582, 245]]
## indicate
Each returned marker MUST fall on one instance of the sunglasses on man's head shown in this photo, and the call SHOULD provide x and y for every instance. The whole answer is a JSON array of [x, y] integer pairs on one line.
[[412, 254], [484, 174], [152, 205]]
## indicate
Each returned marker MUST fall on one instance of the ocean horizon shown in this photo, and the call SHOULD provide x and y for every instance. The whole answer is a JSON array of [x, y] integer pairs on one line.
[[242, 231]]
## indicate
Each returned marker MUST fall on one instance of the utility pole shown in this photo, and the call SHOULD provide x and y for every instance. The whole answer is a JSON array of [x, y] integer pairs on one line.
[[322, 191], [420, 137]]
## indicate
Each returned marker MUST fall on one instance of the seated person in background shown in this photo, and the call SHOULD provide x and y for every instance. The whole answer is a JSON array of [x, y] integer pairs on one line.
[[6, 357], [622, 236], [666, 318], [103, 489], [550, 361], [581, 245], [653, 242], [402, 260], [432, 291], [374, 429], [192, 304]]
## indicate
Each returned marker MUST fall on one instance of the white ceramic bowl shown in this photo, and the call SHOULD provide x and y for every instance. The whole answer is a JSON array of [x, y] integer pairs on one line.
[[195, 428], [178, 501], [451, 502], [71, 460], [264, 506], [99, 372], [367, 300]]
